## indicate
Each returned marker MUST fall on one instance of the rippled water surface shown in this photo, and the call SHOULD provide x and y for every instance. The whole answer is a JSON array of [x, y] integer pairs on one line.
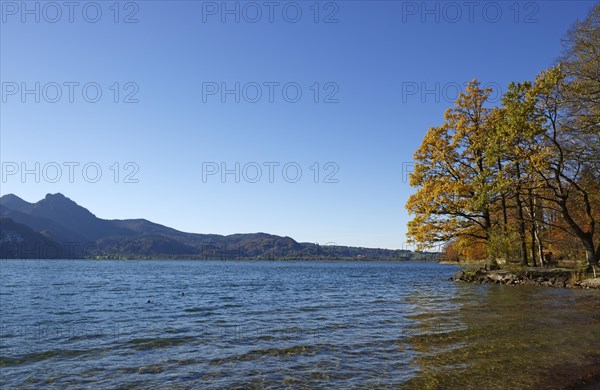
[[219, 324]]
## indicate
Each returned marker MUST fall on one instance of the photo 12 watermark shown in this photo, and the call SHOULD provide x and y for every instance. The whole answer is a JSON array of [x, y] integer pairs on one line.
[[69, 92], [408, 167], [435, 252], [70, 12], [270, 92], [18, 249], [118, 250], [251, 12], [427, 92], [68, 172], [130, 249], [526, 12], [269, 172], [92, 332]]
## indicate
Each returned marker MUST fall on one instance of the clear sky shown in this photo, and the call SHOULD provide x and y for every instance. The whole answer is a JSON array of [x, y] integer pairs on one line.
[[193, 87]]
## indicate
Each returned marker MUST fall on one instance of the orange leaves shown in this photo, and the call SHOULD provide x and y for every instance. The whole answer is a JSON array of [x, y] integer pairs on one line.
[[539, 150], [451, 172]]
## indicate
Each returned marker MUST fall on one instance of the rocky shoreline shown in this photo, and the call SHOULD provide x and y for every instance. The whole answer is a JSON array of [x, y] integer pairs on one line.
[[527, 277]]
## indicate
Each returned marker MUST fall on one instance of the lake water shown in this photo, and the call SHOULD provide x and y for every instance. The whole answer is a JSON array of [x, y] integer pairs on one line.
[[224, 324]]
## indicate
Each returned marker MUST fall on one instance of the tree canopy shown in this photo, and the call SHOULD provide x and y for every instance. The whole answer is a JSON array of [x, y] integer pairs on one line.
[[521, 180]]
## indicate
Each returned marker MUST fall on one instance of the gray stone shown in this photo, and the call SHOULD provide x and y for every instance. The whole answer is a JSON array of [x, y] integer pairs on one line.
[[590, 283]]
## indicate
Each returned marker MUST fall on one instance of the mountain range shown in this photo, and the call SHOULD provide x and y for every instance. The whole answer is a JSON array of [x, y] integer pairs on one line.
[[57, 227]]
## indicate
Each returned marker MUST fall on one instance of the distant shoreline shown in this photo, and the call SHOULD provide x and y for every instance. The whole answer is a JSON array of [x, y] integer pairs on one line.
[[239, 260]]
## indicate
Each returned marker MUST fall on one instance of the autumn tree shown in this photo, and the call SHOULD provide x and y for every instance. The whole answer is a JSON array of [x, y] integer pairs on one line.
[[454, 179], [518, 176], [563, 160], [580, 63]]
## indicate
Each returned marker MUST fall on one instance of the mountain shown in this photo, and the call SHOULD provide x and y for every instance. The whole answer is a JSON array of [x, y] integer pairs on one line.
[[58, 222], [65, 212], [14, 202], [50, 229], [12, 237]]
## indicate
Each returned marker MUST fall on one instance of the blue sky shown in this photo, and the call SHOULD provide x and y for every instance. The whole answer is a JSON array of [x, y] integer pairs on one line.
[[371, 83]]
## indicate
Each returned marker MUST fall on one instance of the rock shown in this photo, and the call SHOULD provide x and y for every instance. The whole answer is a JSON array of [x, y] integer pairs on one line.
[[562, 282], [590, 283], [531, 277], [492, 265], [494, 277]]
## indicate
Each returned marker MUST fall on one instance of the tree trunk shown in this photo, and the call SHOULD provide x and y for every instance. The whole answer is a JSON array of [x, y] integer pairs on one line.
[[524, 259], [521, 223], [505, 228], [504, 217], [533, 257], [487, 223], [540, 248], [536, 229], [590, 253], [587, 238], [533, 228]]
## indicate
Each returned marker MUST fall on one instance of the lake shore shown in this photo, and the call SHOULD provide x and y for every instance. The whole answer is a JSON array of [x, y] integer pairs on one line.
[[530, 276]]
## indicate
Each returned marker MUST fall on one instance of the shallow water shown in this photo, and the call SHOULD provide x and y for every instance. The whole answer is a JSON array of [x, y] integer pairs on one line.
[[222, 324]]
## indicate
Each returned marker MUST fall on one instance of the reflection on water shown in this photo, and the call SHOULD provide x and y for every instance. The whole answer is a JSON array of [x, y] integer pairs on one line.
[[278, 324], [509, 337]]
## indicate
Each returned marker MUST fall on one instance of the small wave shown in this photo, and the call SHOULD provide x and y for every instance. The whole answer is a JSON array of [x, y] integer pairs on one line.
[[198, 310], [159, 342], [7, 361], [296, 350]]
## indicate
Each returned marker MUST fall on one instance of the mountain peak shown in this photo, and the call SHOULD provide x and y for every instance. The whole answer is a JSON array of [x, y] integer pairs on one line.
[[59, 199], [13, 202], [63, 204], [10, 197], [58, 195]]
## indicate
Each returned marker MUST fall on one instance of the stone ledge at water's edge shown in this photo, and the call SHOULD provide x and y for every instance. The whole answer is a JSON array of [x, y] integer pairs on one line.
[[527, 277]]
